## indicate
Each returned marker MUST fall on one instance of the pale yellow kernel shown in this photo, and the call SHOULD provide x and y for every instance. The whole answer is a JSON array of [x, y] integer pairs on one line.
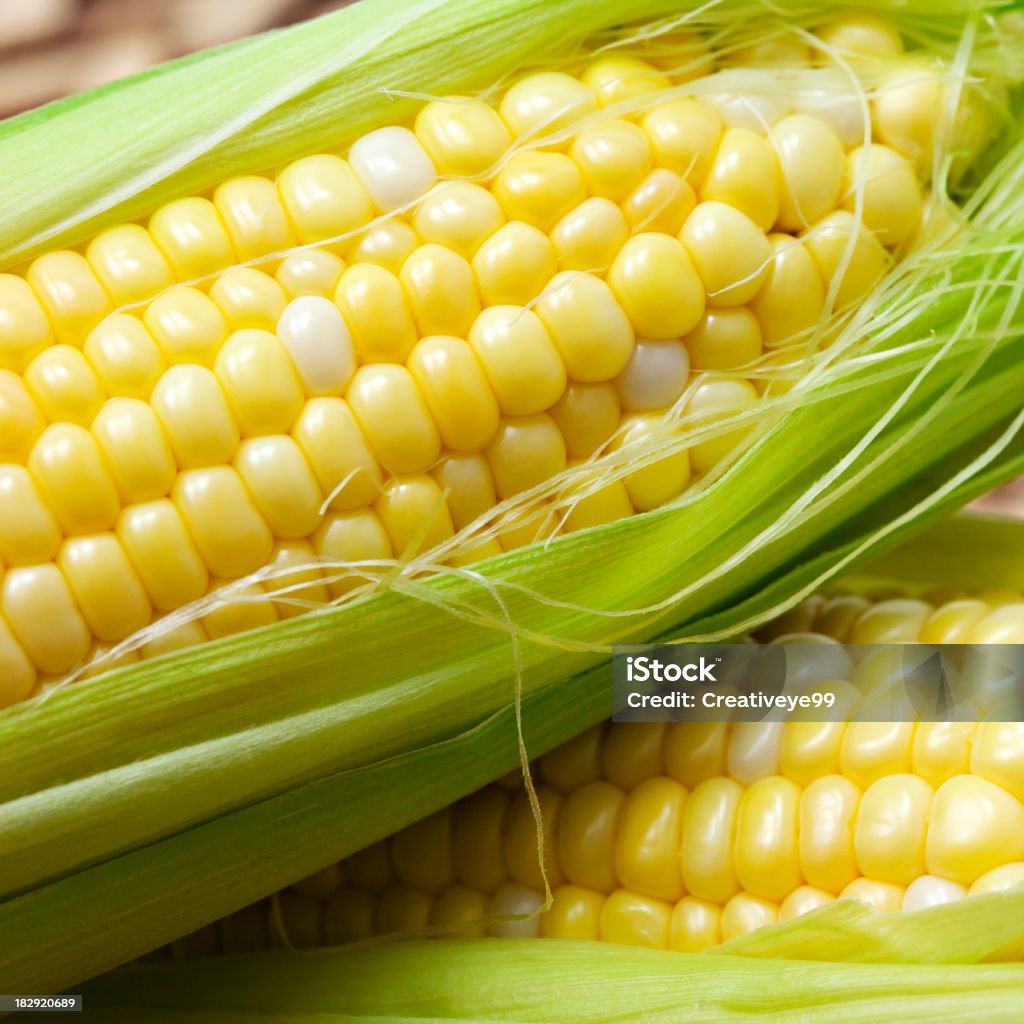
[[892, 823], [170, 639], [296, 580], [897, 621], [251, 211], [248, 298], [695, 751], [953, 622], [715, 399], [883, 897], [135, 449], [997, 754], [634, 920], [415, 515], [810, 749], [745, 913], [514, 912], [71, 294], [620, 79], [802, 901], [750, 110], [696, 926], [21, 421], [745, 174], [65, 386], [1004, 625], [281, 484], [649, 835], [811, 161], [310, 272], [393, 167], [468, 487], [323, 197], [575, 914], [348, 538], [779, 49], [187, 325], [521, 853], [942, 750], [394, 418], [709, 839], [544, 103], [860, 35], [662, 479], [661, 202], [887, 189], [1006, 876], [194, 411], [724, 339], [539, 188], [456, 390], [682, 52], [520, 359], [791, 300], [527, 528], [458, 215], [192, 237], [841, 247], [125, 356], [907, 105], [17, 673], [24, 329], [872, 750], [684, 135], [237, 608], [377, 311], [514, 264], [767, 826], [587, 415], [613, 154], [464, 137], [729, 251], [588, 237], [387, 244], [29, 532], [441, 290], [129, 264], [588, 503], [525, 451]]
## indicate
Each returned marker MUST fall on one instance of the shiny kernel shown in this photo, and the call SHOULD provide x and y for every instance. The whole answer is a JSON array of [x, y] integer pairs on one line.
[[745, 913], [539, 188], [891, 827], [810, 750], [393, 167], [750, 111], [745, 175], [754, 750], [28, 528], [575, 914], [323, 197], [441, 290], [860, 34], [468, 487], [588, 503], [125, 356], [192, 237], [695, 751], [883, 897], [253, 214], [682, 52], [21, 422], [105, 586], [839, 108], [515, 912], [649, 837], [953, 622], [248, 298], [42, 614], [587, 415], [281, 484], [345, 467], [661, 202], [128, 263], [634, 920], [657, 285], [65, 385], [386, 244], [519, 358], [871, 750], [613, 155], [997, 755], [942, 750], [478, 839], [663, 479], [160, 547], [544, 103], [456, 390], [394, 418], [778, 50], [458, 215], [187, 325], [525, 451], [619, 79], [415, 515], [709, 838], [928, 891], [351, 537], [724, 339], [655, 376], [829, 242], [802, 901], [695, 927], [422, 852], [24, 330], [194, 412], [766, 858], [17, 673], [522, 857], [588, 825], [888, 190], [318, 340], [632, 752], [791, 300], [310, 272], [464, 137], [588, 237], [1005, 625], [1006, 876], [67, 465], [811, 160], [514, 264], [684, 135], [259, 382], [714, 399], [296, 581], [136, 450], [587, 325], [378, 314], [897, 621], [729, 251], [71, 294]]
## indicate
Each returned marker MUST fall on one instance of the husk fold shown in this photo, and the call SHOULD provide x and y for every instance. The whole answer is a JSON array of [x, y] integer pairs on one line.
[[158, 798]]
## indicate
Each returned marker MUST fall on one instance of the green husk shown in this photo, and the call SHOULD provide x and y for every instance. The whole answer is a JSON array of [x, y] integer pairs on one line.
[[141, 805]]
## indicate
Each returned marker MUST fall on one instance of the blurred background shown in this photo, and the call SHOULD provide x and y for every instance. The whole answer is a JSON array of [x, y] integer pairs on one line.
[[50, 48]]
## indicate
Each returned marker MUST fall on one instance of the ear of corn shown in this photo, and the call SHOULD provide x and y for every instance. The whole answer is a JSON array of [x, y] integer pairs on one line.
[[279, 713]]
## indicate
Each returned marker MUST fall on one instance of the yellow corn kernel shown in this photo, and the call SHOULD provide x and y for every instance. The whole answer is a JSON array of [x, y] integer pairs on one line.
[[460, 912], [478, 833], [251, 210], [125, 356], [632, 753], [545, 103], [754, 750], [346, 538], [525, 451], [1005, 625], [873, 749], [187, 325], [21, 422], [65, 386], [811, 160], [942, 750], [803, 901], [766, 857], [907, 104], [575, 914], [164, 554], [892, 821], [888, 190], [684, 135], [415, 515], [587, 507], [24, 330], [458, 215], [468, 487], [613, 155], [588, 826], [634, 920], [259, 382], [589, 237], [810, 750], [656, 283], [69, 291], [885, 897], [128, 263], [28, 529], [136, 450], [42, 614], [392, 166], [296, 580], [522, 857], [237, 608], [464, 137], [323, 198], [745, 174], [281, 484], [619, 79], [387, 244], [422, 853], [515, 910], [195, 413], [394, 418], [228, 531], [310, 272], [539, 188], [860, 34], [768, 51], [897, 621], [791, 299], [376, 309], [997, 754], [657, 482], [456, 391], [953, 622], [519, 358], [587, 415], [105, 586], [589, 328], [729, 251], [713, 399], [441, 291], [660, 202], [709, 839], [724, 339], [318, 341], [576, 762], [649, 836], [999, 879], [192, 237], [828, 813], [695, 926], [403, 911], [829, 241], [695, 751], [514, 264], [248, 298], [17, 673], [745, 913], [655, 376]]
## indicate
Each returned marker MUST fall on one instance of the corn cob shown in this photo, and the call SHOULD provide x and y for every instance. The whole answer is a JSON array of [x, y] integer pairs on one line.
[[686, 835], [361, 358]]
